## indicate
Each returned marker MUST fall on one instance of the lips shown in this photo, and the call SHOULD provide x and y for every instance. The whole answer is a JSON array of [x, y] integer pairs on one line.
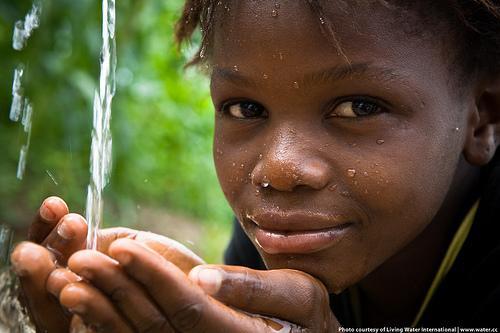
[[298, 232]]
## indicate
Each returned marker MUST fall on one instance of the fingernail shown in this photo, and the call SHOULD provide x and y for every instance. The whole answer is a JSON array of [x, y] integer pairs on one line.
[[123, 258], [64, 231], [45, 212], [209, 279]]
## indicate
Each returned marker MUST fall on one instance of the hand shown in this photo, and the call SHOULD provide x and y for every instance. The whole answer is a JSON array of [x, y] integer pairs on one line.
[[53, 237], [134, 289]]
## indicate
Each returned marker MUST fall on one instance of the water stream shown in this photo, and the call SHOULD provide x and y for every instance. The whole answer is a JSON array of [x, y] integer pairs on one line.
[[101, 155], [13, 316]]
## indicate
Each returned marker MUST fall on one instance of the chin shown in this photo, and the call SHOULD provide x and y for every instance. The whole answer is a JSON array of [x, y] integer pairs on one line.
[[336, 274]]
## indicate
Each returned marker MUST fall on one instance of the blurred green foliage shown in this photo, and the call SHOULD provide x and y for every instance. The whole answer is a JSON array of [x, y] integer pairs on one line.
[[162, 119]]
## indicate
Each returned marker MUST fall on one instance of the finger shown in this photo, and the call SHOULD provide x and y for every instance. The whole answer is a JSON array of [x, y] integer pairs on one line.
[[287, 294], [93, 307], [78, 326], [171, 250], [33, 264], [68, 237], [186, 306], [59, 278], [127, 295], [50, 212]]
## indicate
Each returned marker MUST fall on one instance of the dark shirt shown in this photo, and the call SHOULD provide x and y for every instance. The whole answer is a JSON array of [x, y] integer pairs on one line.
[[469, 295]]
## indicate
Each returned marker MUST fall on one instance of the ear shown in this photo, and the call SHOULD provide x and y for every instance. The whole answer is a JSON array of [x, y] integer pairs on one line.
[[483, 128]]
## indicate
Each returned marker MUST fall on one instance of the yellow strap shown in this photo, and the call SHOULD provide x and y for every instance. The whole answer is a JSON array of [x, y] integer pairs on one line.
[[451, 254]]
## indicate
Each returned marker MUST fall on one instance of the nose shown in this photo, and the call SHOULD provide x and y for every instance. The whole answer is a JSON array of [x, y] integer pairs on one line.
[[284, 168]]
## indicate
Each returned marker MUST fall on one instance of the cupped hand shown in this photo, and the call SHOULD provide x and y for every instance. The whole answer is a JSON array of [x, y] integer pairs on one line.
[[53, 237], [135, 289]]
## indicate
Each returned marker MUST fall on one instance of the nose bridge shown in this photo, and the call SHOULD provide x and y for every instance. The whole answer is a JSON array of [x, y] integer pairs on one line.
[[289, 159]]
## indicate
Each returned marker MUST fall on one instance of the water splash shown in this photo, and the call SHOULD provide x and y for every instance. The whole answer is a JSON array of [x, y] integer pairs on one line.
[[21, 106], [23, 29], [101, 148]]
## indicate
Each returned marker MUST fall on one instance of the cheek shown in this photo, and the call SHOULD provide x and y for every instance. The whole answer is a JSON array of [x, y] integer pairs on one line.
[[402, 187], [234, 164]]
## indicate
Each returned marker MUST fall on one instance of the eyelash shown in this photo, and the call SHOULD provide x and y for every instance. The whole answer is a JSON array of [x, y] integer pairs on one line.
[[225, 108], [380, 107]]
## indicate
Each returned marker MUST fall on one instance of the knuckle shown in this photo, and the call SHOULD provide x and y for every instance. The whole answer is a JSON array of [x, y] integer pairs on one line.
[[118, 295], [256, 285], [188, 317], [155, 323]]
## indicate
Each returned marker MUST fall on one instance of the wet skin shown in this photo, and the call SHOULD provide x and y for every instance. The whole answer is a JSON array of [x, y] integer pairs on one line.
[[385, 187], [370, 201]]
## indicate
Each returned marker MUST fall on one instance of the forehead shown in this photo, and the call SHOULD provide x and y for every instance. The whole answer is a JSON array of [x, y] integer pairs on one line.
[[282, 34]]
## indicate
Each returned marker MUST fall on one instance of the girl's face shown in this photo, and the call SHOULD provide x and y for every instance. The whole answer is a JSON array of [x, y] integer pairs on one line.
[[331, 166]]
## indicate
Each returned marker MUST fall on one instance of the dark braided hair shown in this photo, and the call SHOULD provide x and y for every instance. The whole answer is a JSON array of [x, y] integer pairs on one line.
[[475, 23]]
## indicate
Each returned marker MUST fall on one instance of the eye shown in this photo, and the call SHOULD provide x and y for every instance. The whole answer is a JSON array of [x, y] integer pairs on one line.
[[356, 108], [244, 110]]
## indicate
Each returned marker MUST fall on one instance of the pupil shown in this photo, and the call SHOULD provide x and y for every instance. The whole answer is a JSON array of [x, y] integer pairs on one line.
[[250, 109], [362, 108]]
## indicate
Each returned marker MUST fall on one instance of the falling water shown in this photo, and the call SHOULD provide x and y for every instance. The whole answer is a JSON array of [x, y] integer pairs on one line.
[[100, 154], [13, 316]]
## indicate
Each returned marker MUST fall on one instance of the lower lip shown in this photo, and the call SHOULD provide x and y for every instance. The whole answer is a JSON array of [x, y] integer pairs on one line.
[[276, 242]]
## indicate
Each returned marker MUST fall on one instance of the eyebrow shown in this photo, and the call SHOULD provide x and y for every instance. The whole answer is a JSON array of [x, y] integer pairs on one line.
[[328, 75]]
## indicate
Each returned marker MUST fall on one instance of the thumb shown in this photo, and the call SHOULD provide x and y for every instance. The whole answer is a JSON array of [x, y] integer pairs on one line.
[[287, 294]]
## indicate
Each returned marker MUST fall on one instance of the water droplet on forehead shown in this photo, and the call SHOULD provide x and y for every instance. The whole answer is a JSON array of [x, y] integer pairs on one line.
[[296, 85], [235, 68], [380, 142], [265, 76], [322, 20], [274, 13], [277, 5]]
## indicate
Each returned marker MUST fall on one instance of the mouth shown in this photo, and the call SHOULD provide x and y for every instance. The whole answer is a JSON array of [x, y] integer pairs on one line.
[[298, 233]]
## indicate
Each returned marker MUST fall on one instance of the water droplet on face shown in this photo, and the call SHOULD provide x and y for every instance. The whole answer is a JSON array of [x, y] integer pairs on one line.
[[332, 187], [281, 56], [295, 84], [235, 68], [260, 156], [265, 76], [457, 129], [380, 142], [345, 194], [265, 182], [274, 13], [351, 173], [277, 5], [365, 174], [321, 20], [233, 164]]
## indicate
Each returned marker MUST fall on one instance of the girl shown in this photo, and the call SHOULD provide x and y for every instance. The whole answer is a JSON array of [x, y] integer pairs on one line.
[[354, 141]]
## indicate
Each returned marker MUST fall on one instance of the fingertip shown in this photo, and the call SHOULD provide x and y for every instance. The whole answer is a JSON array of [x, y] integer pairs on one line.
[[29, 258], [59, 278], [79, 260], [72, 295], [208, 278], [120, 250], [53, 208], [71, 226]]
